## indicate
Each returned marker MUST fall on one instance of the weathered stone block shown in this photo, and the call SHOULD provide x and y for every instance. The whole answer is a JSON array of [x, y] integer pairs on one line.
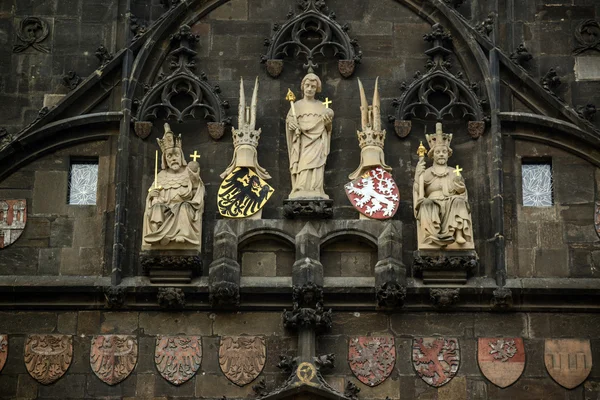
[[545, 389], [360, 324], [96, 388], [164, 388], [499, 325], [210, 355], [587, 68], [234, 10], [551, 263], [259, 264], [525, 263], [18, 261], [88, 322], [169, 323], [285, 261], [146, 351], [49, 261], [456, 389], [432, 324], [332, 263], [144, 388], [87, 232], [61, 232], [50, 192], [119, 322], [551, 325], [8, 385], [215, 386], [73, 384], [27, 322], [27, 387], [67, 323], [356, 264], [91, 260], [248, 324], [573, 183], [580, 234]]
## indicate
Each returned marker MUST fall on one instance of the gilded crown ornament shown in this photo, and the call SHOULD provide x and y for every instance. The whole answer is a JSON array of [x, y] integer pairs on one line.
[[169, 140], [438, 138]]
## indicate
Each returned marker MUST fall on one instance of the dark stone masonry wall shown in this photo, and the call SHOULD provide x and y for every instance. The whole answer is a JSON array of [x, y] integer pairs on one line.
[[209, 383]]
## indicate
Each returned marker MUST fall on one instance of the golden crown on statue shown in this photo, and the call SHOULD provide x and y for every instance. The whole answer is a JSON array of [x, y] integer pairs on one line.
[[370, 137], [245, 135], [169, 140], [439, 138]]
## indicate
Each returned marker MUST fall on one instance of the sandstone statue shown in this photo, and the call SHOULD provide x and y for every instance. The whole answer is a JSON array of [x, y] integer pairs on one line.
[[308, 134], [175, 201], [440, 198]]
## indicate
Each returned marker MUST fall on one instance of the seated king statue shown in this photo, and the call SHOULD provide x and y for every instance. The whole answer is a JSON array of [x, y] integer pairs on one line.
[[175, 201], [440, 198]]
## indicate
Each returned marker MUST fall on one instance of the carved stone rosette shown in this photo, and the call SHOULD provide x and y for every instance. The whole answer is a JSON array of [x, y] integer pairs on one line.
[[178, 358], [113, 357], [372, 359], [242, 358], [3, 350], [47, 357], [436, 360]]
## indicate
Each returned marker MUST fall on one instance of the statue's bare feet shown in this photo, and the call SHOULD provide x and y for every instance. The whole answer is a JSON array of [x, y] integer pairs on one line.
[[459, 237]]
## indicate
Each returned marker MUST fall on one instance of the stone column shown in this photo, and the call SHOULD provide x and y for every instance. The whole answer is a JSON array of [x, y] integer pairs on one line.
[[224, 273]]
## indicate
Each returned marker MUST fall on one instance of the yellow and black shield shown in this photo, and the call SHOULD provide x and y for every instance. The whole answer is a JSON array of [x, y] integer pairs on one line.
[[242, 193]]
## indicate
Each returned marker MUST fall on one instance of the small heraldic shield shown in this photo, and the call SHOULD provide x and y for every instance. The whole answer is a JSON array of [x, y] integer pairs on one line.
[[436, 360], [243, 193], [372, 359], [501, 360], [568, 361], [3, 350], [13, 217], [113, 357], [242, 358], [47, 357], [374, 194], [178, 358]]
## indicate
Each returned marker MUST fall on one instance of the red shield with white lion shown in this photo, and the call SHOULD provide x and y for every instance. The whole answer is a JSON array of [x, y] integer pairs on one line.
[[374, 194]]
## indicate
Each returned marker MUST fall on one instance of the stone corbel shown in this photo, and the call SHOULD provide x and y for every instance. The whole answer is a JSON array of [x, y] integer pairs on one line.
[[390, 273], [224, 272]]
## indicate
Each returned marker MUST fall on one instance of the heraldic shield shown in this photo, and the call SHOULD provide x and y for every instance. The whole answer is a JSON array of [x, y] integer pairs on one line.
[[436, 360], [501, 360], [113, 357], [13, 217], [242, 358], [3, 350], [374, 194], [372, 359], [47, 357], [178, 358], [243, 193], [568, 361]]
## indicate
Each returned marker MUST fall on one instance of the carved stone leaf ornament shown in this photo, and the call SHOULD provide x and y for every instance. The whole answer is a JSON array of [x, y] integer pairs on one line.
[[587, 34], [113, 357], [436, 359], [47, 357], [568, 361], [375, 194], [13, 218], [3, 350], [178, 358], [32, 32], [501, 360], [243, 193], [372, 359], [242, 358]]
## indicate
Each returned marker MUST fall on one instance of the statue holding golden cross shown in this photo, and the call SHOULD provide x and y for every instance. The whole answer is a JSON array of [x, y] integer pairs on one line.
[[457, 171], [195, 155]]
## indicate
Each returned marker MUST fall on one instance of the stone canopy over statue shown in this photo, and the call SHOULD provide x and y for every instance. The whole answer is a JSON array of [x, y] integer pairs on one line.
[[175, 201], [440, 198], [308, 135]]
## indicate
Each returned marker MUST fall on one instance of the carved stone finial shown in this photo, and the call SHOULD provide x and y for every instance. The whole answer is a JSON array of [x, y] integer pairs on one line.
[[115, 296], [325, 362], [502, 299], [486, 27], [171, 298], [71, 80], [287, 364], [103, 55], [521, 55], [551, 81], [137, 26], [444, 298], [587, 111], [351, 391]]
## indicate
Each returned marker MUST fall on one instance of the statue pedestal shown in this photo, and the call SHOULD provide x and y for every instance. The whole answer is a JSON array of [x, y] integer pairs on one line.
[[445, 267], [308, 208], [171, 266]]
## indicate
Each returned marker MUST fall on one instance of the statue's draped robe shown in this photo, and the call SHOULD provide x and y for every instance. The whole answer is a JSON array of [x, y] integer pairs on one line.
[[308, 152], [177, 211], [444, 209]]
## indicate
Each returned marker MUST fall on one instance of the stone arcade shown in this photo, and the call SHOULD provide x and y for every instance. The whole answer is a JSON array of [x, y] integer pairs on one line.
[[143, 255]]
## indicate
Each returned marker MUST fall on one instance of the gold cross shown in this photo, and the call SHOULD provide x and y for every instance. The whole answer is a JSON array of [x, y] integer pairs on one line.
[[457, 171], [327, 102], [195, 155]]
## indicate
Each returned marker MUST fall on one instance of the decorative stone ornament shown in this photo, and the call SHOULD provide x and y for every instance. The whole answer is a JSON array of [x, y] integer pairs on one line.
[[326, 35], [402, 128], [568, 361], [441, 200], [47, 357], [436, 360], [13, 218], [242, 358], [32, 32], [372, 359], [113, 357], [597, 217], [587, 34], [3, 350], [501, 360], [374, 194], [175, 200], [178, 358], [243, 194]]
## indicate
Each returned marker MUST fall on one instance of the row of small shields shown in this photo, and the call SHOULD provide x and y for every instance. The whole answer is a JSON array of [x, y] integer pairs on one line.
[[436, 360]]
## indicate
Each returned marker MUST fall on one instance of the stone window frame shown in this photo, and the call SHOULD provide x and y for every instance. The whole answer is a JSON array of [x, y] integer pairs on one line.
[[537, 161], [82, 160]]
